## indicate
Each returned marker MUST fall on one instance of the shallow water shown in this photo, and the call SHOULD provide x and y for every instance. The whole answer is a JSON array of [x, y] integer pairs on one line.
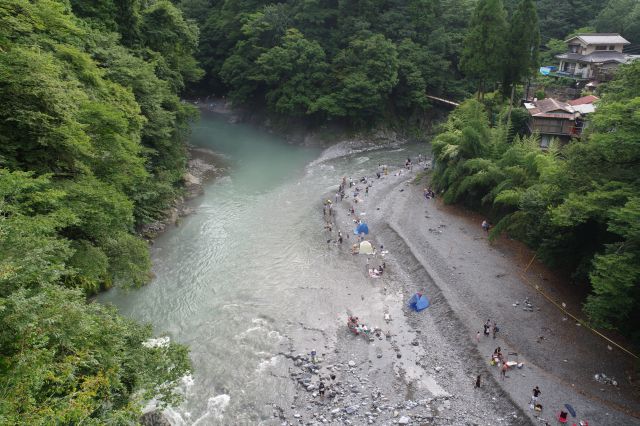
[[235, 280]]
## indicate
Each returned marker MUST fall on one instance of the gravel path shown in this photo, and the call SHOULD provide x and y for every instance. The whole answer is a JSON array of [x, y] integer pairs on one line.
[[421, 367]]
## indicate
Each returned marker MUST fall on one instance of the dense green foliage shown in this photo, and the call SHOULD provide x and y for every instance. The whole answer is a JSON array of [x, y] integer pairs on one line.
[[422, 46], [91, 146], [354, 60], [522, 52], [483, 56], [68, 362], [621, 16], [577, 205], [497, 51]]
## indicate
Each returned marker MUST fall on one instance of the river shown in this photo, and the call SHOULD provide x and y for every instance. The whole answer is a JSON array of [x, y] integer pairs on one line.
[[250, 274]]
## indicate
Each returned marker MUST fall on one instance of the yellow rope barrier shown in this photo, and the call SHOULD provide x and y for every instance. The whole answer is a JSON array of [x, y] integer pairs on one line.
[[581, 322]]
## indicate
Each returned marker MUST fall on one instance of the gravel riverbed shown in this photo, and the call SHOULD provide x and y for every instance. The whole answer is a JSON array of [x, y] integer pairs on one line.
[[421, 366]]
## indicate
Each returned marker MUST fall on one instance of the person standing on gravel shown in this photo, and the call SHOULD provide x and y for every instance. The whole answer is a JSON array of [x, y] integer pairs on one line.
[[503, 370], [478, 382], [487, 327], [494, 329], [535, 394]]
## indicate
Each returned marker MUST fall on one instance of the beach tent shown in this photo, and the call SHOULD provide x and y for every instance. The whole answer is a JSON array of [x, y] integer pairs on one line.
[[366, 248], [418, 302], [362, 228]]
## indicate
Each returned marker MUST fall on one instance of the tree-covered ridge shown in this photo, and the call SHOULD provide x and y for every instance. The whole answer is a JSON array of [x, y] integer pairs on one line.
[[91, 146], [355, 60], [577, 205], [369, 60]]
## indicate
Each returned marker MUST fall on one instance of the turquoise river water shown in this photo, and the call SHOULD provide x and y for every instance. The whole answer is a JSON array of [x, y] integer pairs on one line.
[[235, 279]]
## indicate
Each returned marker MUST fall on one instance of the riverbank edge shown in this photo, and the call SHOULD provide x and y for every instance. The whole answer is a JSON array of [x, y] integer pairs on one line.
[[203, 165], [298, 131]]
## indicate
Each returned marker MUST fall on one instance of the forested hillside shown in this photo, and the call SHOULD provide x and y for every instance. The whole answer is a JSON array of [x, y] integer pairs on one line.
[[577, 205], [356, 60], [362, 61], [91, 145]]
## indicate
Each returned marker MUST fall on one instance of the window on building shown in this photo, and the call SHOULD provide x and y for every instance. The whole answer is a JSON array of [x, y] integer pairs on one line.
[[601, 47], [612, 47], [573, 48]]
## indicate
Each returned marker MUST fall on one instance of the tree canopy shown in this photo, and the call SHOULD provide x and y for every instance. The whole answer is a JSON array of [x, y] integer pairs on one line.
[[355, 61], [91, 146]]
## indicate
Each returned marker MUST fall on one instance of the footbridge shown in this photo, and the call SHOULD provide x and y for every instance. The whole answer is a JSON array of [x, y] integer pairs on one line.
[[446, 102]]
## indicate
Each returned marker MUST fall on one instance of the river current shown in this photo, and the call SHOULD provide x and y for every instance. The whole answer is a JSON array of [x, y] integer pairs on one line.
[[236, 280]]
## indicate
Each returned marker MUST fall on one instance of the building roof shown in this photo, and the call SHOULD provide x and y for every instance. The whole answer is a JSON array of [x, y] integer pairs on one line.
[[585, 109], [596, 57], [589, 99], [599, 38], [550, 108]]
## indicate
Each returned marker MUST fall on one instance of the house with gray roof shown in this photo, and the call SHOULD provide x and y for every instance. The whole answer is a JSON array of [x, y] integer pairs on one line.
[[593, 56]]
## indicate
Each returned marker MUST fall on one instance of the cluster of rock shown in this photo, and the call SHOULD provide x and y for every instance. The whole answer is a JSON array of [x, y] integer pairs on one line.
[[352, 399], [603, 378], [527, 306]]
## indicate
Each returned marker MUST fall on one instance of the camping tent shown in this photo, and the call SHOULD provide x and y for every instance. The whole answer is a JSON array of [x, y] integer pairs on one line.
[[366, 248], [362, 228], [418, 302]]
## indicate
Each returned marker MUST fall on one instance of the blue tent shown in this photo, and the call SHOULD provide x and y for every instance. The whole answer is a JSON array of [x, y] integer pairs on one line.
[[361, 229], [418, 302]]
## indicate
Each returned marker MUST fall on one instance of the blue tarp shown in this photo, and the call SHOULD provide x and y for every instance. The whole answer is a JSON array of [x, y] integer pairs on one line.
[[361, 229], [570, 410], [418, 302]]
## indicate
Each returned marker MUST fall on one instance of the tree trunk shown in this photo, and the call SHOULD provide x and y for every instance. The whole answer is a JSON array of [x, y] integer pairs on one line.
[[513, 92]]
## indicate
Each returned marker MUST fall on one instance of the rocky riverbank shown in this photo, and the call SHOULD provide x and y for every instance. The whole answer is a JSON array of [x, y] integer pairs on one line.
[[202, 166], [420, 367], [416, 367]]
